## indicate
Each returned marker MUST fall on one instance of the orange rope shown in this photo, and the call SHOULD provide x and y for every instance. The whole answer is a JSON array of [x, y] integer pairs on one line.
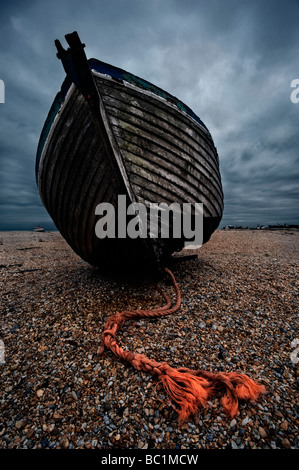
[[187, 388]]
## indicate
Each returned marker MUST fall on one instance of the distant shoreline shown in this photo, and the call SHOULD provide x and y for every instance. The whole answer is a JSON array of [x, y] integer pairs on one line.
[[287, 228]]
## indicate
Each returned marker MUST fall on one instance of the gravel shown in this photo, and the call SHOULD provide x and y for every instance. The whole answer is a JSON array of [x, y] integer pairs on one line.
[[239, 312]]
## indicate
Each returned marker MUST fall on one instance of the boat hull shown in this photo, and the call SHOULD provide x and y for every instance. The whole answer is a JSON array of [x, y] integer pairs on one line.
[[142, 145]]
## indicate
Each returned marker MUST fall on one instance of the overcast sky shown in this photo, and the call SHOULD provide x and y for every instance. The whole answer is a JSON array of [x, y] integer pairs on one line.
[[231, 61]]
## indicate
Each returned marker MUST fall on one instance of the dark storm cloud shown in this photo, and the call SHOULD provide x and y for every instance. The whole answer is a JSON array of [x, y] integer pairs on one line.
[[232, 62]]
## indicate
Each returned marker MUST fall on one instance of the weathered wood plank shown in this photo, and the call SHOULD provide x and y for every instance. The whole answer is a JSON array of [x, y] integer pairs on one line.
[[54, 140], [174, 130], [189, 152], [156, 175], [194, 175], [135, 98]]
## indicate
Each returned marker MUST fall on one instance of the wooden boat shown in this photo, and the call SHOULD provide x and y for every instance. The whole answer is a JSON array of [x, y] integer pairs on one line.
[[111, 133]]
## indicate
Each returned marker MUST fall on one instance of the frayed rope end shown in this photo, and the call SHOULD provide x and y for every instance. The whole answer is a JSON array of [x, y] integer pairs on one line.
[[188, 391], [191, 391]]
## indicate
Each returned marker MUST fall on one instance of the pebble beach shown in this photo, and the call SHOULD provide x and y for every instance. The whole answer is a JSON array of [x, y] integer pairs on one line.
[[239, 313]]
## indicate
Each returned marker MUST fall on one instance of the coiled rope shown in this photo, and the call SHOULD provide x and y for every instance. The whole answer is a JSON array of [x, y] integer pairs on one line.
[[188, 389]]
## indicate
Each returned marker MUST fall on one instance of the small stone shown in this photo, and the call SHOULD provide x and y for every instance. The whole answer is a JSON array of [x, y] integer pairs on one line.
[[234, 445], [220, 328], [286, 444], [117, 437], [64, 442], [262, 432], [14, 328], [29, 433], [40, 393], [44, 442], [232, 423], [245, 421], [284, 425], [20, 424], [29, 443]]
